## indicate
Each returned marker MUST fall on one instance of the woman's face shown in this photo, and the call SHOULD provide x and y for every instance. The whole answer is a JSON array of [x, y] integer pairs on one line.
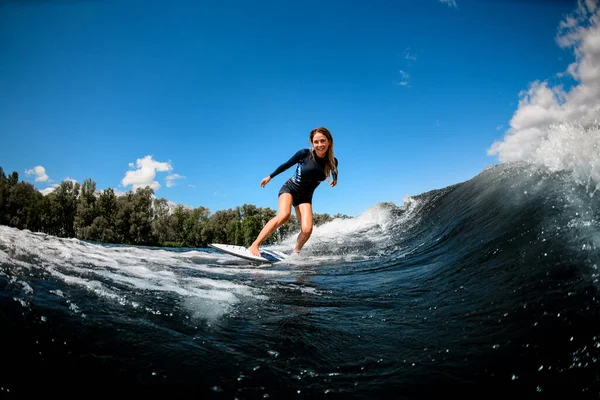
[[320, 143]]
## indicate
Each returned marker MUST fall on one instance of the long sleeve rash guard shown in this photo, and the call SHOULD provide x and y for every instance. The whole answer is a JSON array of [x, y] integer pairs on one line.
[[310, 170]]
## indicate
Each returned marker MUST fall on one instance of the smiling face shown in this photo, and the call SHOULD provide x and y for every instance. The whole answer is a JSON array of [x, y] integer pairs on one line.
[[320, 143]]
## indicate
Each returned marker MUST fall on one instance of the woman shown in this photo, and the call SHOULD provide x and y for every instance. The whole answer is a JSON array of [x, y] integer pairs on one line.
[[313, 166]]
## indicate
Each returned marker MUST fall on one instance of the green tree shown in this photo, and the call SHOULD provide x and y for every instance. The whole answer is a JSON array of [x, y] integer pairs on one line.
[[180, 215], [223, 226], [6, 185], [320, 219], [103, 231], [13, 179], [163, 224], [194, 224], [44, 214], [4, 190], [62, 208], [251, 224], [233, 232], [35, 214], [140, 229], [341, 216], [123, 218], [266, 215], [86, 211], [21, 206], [103, 228]]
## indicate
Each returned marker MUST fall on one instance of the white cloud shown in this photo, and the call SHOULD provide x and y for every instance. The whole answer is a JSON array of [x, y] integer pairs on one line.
[[39, 172], [403, 78], [450, 3], [409, 58], [145, 173], [408, 55], [543, 105], [54, 186], [49, 190], [171, 178]]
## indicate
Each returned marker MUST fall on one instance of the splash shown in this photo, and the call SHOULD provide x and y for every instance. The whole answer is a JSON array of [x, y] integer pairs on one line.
[[575, 149], [368, 235], [121, 275]]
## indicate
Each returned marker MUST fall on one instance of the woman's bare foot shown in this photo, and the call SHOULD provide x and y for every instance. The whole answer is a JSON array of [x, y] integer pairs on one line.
[[254, 251]]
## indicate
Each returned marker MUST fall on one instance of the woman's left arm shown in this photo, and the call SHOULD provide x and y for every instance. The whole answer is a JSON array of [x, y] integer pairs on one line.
[[334, 177]]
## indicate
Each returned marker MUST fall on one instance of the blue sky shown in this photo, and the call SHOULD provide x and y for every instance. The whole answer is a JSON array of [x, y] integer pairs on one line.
[[202, 99]]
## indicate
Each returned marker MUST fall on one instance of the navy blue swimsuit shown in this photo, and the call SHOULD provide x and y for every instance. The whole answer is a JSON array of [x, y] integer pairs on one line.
[[310, 171]]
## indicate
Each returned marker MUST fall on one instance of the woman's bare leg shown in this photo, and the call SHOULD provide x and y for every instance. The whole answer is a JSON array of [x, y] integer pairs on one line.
[[284, 209], [305, 217]]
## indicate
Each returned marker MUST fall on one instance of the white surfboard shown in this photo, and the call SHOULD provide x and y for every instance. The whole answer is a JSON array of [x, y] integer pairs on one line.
[[268, 256]]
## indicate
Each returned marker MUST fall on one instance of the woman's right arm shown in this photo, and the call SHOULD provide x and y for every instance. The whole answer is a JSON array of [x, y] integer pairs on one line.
[[265, 180]]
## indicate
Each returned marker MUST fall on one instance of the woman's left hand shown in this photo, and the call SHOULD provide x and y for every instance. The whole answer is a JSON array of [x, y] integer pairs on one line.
[[333, 183]]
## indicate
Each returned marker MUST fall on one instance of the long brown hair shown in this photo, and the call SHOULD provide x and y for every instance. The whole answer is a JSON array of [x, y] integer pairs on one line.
[[330, 167]]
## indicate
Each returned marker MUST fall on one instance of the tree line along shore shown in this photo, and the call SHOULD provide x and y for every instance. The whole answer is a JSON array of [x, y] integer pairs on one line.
[[80, 211]]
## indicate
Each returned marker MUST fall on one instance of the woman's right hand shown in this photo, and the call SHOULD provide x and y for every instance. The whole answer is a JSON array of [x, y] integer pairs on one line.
[[264, 182]]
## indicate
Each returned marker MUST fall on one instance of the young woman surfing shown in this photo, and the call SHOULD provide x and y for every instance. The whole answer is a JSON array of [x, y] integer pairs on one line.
[[313, 166]]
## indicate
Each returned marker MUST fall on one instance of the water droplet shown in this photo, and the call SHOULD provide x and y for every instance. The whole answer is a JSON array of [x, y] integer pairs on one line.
[[273, 353]]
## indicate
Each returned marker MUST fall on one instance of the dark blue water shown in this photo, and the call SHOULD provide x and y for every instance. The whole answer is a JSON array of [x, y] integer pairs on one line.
[[485, 288]]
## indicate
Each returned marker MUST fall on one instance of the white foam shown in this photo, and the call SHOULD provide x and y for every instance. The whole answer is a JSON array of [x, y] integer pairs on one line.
[[573, 148], [27, 289], [209, 311], [375, 227], [121, 274], [4, 259]]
